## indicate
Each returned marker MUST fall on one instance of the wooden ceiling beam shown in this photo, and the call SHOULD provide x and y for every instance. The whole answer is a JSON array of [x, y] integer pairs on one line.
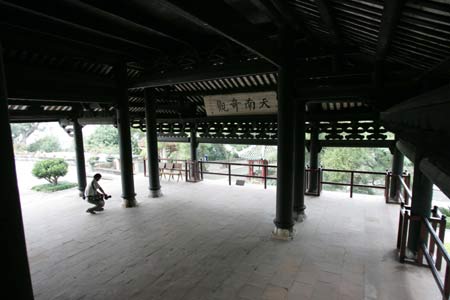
[[221, 19], [40, 23], [329, 21], [287, 14], [15, 38], [89, 16], [389, 20]]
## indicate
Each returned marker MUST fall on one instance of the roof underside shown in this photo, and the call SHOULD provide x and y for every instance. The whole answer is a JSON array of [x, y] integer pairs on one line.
[[351, 56]]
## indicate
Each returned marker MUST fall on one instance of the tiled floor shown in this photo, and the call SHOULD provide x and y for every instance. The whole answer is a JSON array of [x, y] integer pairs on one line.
[[211, 241]]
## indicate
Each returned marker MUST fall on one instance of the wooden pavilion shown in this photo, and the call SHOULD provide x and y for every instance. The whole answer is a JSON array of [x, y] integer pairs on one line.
[[230, 71]]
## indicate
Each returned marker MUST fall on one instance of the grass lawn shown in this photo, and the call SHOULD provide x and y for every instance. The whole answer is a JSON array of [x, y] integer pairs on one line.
[[49, 188]]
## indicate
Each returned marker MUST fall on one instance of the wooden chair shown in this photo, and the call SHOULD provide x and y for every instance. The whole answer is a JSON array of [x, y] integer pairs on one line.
[[167, 170], [177, 169], [161, 166]]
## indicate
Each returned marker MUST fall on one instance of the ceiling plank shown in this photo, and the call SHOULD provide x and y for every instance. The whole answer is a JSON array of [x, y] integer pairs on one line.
[[329, 21], [89, 16], [224, 21], [40, 23], [391, 16]]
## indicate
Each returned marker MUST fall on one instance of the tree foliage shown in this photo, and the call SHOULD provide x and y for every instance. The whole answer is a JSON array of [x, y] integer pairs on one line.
[[213, 151], [45, 144], [360, 159], [105, 139], [21, 131], [50, 169], [183, 151]]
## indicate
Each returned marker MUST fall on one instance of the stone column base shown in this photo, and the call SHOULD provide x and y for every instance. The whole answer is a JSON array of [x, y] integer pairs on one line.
[[127, 203], [299, 217], [283, 234], [155, 193]]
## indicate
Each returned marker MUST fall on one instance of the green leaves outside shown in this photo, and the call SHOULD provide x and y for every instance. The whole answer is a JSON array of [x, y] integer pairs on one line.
[[50, 169]]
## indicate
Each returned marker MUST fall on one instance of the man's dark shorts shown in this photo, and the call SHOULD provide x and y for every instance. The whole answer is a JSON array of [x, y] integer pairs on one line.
[[97, 200]]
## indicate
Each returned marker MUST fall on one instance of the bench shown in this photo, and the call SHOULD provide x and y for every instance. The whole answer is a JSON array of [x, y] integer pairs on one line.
[[171, 169]]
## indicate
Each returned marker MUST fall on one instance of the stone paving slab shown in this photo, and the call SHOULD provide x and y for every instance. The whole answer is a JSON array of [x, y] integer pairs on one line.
[[211, 241]]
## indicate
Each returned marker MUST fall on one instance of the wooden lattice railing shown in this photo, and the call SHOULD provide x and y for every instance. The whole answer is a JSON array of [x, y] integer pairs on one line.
[[431, 250]]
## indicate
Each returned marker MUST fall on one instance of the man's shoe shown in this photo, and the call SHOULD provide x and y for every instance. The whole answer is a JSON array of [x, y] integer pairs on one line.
[[91, 211]]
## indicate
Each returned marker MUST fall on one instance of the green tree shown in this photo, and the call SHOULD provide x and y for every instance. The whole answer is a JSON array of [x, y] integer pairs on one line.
[[50, 169], [21, 131], [106, 139], [360, 159], [45, 144], [214, 151]]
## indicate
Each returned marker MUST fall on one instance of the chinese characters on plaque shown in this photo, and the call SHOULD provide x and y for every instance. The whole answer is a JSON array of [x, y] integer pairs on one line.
[[241, 104]]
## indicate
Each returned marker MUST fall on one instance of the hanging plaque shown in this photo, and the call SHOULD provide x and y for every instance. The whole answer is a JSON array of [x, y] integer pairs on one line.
[[241, 104]]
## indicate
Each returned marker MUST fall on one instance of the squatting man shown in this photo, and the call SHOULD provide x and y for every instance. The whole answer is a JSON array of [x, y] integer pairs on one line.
[[95, 195]]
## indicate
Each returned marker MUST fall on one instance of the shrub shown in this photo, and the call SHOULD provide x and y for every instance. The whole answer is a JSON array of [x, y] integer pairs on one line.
[[93, 160], [446, 212], [49, 187], [45, 144], [50, 169]]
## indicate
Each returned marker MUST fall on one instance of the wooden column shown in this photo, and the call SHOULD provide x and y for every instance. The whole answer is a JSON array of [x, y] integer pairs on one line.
[[123, 125], [79, 153], [284, 205], [299, 162], [152, 144], [194, 142], [422, 191], [314, 150], [194, 172], [17, 282], [397, 169]]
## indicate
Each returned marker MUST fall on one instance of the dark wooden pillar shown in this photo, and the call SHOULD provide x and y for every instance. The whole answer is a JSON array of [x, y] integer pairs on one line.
[[397, 169], [152, 144], [284, 205], [17, 282], [299, 162], [194, 142], [422, 191], [79, 154], [123, 125], [314, 149], [194, 168]]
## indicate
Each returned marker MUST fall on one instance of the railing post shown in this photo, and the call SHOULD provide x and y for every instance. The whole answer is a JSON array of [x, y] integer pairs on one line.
[[446, 290], [387, 180], [442, 225], [408, 184], [351, 184], [145, 168], [423, 240], [434, 214], [201, 169], [320, 180], [400, 226], [265, 177], [229, 174], [406, 219]]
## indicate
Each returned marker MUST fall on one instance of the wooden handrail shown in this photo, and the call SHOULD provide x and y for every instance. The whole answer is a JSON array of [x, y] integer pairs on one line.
[[236, 164], [358, 172], [428, 229], [229, 174], [436, 239], [405, 186]]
